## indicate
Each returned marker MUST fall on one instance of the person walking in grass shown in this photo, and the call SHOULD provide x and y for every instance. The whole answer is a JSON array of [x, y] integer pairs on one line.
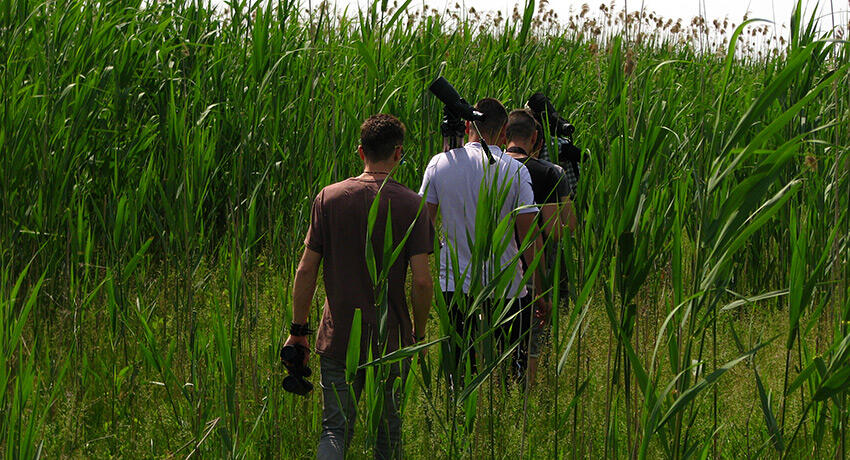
[[551, 193], [451, 186], [337, 237]]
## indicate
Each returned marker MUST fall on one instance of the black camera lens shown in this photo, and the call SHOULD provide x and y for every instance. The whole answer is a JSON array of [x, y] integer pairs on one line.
[[544, 110], [293, 360], [449, 96], [290, 353], [297, 385]]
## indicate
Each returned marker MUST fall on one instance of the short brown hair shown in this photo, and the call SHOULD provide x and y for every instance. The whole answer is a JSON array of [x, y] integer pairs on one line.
[[495, 116], [379, 136], [521, 125]]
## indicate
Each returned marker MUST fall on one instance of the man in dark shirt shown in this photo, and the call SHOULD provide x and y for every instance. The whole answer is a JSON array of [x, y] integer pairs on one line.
[[551, 193], [338, 236]]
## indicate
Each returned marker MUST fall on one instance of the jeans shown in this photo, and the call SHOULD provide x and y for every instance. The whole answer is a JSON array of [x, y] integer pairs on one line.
[[466, 328], [520, 330], [516, 330], [339, 412]]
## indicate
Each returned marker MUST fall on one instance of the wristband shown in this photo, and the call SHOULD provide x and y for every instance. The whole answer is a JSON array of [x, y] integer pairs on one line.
[[299, 330]]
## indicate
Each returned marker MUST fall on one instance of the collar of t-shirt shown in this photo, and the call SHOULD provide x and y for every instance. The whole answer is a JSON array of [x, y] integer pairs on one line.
[[494, 149], [518, 150]]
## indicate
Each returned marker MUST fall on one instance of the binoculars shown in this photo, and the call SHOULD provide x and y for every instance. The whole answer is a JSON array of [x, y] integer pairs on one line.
[[292, 357]]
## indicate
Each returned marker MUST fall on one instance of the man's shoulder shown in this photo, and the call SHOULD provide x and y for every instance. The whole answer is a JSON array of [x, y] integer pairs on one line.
[[400, 195], [449, 164], [512, 162], [434, 163], [549, 165], [537, 166], [341, 191], [513, 165], [517, 171], [397, 188], [529, 162], [444, 158], [340, 187]]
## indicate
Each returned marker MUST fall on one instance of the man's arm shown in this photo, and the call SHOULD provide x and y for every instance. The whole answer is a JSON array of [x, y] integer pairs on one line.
[[428, 190], [421, 293], [568, 214], [525, 224], [432, 213], [555, 216], [551, 220], [303, 289]]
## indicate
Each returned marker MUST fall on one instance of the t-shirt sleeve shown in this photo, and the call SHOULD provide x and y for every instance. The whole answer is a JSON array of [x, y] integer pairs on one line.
[[428, 188], [421, 239], [562, 188], [526, 193], [313, 240]]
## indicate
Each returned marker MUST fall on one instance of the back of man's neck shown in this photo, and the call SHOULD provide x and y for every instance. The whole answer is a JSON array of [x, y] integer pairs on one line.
[[516, 146], [384, 168], [473, 137]]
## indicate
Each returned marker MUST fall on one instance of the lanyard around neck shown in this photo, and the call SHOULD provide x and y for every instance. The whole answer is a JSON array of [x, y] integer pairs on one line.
[[517, 149]]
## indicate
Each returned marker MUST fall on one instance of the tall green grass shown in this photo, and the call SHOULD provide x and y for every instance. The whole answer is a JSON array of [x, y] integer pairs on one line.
[[158, 163]]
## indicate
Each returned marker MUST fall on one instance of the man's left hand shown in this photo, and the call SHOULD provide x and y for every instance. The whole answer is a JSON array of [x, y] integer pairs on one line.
[[543, 310], [300, 340]]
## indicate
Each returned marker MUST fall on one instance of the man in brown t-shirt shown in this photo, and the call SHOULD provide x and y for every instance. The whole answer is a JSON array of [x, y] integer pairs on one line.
[[338, 236]]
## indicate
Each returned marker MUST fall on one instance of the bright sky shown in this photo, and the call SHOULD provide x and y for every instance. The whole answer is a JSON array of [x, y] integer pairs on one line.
[[672, 9], [778, 10]]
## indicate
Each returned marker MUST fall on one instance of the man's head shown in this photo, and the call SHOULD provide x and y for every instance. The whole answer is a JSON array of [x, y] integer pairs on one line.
[[522, 128], [381, 136], [493, 126]]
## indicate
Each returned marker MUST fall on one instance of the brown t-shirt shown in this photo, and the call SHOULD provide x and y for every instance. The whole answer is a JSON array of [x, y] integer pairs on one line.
[[338, 230]]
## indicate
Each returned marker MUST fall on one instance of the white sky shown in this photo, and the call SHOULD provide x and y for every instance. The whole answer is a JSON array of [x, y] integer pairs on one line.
[[778, 10], [672, 9]]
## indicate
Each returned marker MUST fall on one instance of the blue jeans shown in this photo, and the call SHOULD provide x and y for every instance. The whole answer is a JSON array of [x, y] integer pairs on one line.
[[339, 412]]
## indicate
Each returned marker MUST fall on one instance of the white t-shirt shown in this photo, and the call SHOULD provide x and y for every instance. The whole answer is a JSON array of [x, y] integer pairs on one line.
[[453, 180]]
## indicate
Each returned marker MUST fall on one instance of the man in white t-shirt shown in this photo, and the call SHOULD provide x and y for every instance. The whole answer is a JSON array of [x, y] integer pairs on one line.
[[451, 185]]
